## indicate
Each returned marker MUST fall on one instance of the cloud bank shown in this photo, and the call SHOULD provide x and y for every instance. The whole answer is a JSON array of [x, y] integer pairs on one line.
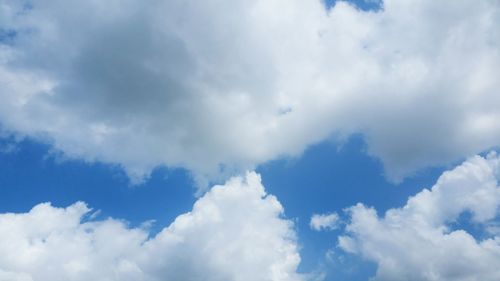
[[420, 242], [220, 86], [234, 232]]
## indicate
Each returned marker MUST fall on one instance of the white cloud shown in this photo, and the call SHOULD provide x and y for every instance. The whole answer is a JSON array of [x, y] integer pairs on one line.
[[420, 242], [220, 86], [324, 221], [234, 232]]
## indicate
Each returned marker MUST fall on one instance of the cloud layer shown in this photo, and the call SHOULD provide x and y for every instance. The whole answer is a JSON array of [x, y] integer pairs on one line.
[[234, 232], [221, 86], [421, 241]]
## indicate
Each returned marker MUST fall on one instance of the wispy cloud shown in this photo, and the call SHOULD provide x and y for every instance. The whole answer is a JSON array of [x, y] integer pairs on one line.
[[324, 221]]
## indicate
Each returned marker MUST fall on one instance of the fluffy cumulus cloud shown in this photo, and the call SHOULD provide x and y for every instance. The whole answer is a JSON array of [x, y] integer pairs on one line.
[[324, 221], [219, 86], [234, 232], [423, 239]]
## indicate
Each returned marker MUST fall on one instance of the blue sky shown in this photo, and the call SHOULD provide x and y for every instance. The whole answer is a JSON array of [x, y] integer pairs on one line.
[[272, 140], [327, 178]]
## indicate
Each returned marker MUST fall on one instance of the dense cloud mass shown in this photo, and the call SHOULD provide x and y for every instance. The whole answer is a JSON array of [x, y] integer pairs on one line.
[[220, 86], [419, 241], [234, 232]]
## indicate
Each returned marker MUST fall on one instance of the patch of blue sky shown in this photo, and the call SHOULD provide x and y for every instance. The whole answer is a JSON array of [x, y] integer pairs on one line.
[[329, 178], [477, 230], [30, 176], [7, 36], [365, 5]]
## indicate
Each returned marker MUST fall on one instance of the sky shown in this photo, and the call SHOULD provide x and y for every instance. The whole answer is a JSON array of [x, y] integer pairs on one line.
[[270, 140]]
